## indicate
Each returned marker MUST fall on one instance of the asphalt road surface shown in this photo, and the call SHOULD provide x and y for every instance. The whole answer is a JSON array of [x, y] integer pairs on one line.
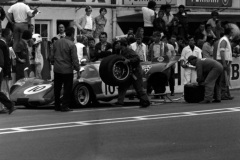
[[164, 131]]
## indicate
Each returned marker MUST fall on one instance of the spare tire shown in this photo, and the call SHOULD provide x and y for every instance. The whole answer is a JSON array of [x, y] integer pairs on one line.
[[113, 71], [193, 93]]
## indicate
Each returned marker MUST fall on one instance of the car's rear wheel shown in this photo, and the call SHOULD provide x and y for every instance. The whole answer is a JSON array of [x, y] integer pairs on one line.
[[82, 95]]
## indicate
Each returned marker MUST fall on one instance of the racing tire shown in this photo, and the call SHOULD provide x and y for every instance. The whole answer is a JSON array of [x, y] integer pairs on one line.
[[193, 93], [82, 95], [158, 82], [113, 71]]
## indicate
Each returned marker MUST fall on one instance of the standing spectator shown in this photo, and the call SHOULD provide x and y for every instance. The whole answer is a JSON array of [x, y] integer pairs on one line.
[[212, 21], [65, 59], [140, 31], [159, 23], [219, 30], [101, 22], [168, 17], [2, 17], [140, 48], [22, 60], [132, 59], [173, 42], [182, 21], [181, 44], [157, 48], [38, 57], [200, 35], [209, 31], [209, 74], [171, 54], [5, 67], [224, 56], [148, 17], [103, 48], [91, 49], [31, 28], [18, 14], [81, 48], [87, 23], [207, 49], [190, 74], [61, 30]]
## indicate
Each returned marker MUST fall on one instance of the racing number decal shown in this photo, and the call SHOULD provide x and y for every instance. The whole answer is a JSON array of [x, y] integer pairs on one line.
[[37, 89], [109, 90]]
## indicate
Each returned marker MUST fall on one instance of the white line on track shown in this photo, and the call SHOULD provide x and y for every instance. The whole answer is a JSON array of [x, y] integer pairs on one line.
[[115, 120]]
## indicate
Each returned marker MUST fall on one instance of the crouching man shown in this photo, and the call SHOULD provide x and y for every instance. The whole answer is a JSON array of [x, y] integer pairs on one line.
[[208, 74], [136, 80]]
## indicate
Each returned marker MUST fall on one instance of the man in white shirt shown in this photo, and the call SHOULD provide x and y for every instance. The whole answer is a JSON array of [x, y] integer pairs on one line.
[[190, 75], [87, 23], [148, 17], [19, 14], [140, 48], [224, 56], [81, 48]]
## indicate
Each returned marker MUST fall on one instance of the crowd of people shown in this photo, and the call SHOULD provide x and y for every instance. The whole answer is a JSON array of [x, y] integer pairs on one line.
[[163, 34]]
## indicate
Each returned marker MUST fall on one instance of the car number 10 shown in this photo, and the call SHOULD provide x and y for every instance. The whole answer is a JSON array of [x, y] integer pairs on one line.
[[109, 90]]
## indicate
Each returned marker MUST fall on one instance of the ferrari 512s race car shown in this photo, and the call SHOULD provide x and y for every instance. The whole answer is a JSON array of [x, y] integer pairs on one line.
[[99, 81]]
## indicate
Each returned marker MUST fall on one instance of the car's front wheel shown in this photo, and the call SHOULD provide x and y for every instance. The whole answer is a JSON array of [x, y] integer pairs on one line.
[[82, 95]]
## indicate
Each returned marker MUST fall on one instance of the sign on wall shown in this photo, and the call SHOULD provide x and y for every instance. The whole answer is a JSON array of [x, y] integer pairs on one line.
[[209, 3], [145, 2], [74, 1]]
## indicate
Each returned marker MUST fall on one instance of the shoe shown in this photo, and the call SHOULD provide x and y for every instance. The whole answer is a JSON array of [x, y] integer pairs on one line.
[[4, 111], [12, 108], [204, 102], [117, 104], [66, 110], [216, 101], [172, 94], [227, 98], [231, 98], [145, 105]]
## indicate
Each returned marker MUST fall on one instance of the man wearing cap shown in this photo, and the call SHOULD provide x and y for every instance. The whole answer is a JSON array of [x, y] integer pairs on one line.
[[132, 59], [140, 48], [208, 74], [189, 72]]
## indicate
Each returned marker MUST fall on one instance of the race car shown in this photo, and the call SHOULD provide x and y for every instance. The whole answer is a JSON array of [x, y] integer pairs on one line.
[[92, 86]]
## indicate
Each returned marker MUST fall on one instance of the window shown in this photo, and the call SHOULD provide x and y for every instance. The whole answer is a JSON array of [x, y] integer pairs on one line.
[[43, 28]]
